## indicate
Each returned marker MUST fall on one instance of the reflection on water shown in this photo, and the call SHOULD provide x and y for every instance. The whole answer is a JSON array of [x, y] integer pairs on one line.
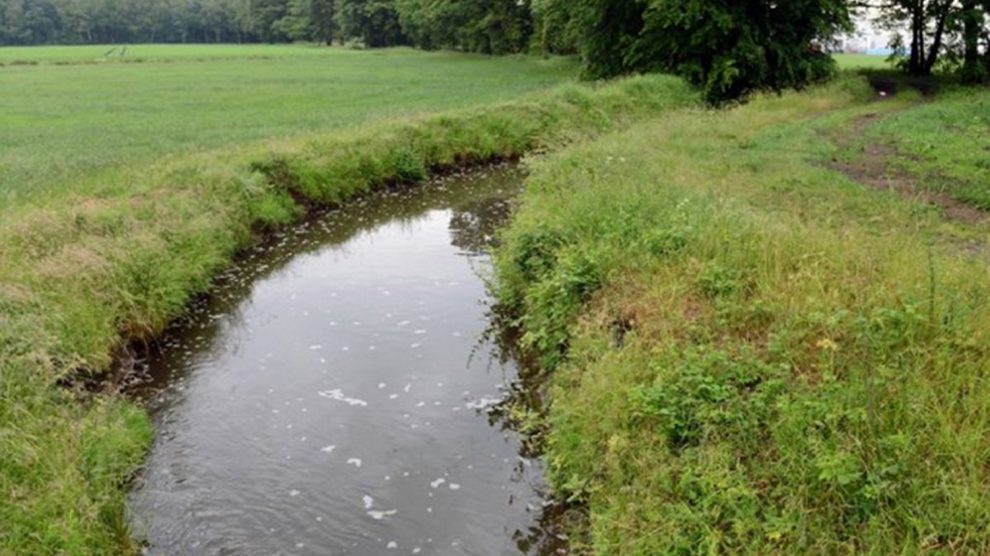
[[330, 396]]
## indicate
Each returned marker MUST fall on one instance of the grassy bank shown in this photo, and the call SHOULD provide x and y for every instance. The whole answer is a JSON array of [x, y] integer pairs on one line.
[[84, 272], [749, 352], [74, 126]]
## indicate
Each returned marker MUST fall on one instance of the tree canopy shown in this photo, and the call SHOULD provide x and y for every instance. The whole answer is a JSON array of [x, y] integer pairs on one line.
[[728, 47]]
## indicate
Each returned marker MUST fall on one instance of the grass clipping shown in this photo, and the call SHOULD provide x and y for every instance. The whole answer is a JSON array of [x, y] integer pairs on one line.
[[749, 353], [79, 277]]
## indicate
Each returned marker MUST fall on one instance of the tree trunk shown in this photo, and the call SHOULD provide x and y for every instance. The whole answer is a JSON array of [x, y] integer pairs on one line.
[[973, 70], [942, 18], [917, 37]]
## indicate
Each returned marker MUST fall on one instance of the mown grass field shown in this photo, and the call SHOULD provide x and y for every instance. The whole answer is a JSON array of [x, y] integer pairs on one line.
[[861, 61], [748, 350], [106, 53], [72, 126]]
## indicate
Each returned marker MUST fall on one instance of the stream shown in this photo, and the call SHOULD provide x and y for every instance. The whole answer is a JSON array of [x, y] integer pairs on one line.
[[332, 394]]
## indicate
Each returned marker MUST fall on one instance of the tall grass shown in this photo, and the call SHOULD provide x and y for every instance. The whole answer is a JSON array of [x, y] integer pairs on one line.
[[749, 353], [83, 273]]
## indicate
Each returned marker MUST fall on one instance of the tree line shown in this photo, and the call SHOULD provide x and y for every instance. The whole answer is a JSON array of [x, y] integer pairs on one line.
[[728, 47]]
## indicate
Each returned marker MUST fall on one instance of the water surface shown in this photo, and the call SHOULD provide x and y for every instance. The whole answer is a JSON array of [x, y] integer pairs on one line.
[[330, 396]]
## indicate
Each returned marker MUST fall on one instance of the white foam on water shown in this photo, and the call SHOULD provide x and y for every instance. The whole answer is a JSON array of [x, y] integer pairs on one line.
[[368, 502], [454, 486], [356, 462], [483, 402], [328, 449], [407, 388], [315, 347], [380, 515], [438, 482], [294, 493], [393, 396], [392, 545], [381, 385], [338, 395]]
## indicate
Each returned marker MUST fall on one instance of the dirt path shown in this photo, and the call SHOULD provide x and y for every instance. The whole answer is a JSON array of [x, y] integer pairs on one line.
[[874, 168]]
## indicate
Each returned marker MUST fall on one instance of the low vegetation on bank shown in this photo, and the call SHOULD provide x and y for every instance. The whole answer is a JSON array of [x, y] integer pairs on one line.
[[749, 351], [87, 271]]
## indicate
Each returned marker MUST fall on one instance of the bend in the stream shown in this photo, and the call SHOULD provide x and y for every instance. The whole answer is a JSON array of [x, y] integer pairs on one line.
[[331, 396]]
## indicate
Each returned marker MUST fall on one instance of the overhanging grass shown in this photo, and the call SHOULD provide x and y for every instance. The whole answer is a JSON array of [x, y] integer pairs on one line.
[[750, 353], [81, 274]]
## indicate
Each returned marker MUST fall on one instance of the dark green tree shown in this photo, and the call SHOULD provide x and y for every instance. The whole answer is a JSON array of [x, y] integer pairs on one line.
[[309, 20], [556, 28], [727, 47], [323, 24], [486, 26], [974, 17], [374, 22]]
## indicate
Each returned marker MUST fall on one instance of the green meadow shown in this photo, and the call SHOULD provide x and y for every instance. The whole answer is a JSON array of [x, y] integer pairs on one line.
[[70, 126], [860, 61]]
